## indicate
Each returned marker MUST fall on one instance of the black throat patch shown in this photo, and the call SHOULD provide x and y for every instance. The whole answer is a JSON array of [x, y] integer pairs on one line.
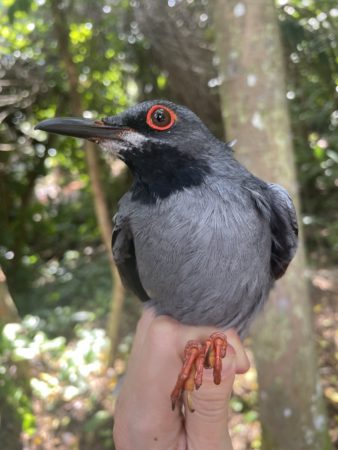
[[162, 170]]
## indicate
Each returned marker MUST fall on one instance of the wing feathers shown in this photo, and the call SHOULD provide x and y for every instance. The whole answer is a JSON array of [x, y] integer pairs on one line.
[[125, 258], [284, 228]]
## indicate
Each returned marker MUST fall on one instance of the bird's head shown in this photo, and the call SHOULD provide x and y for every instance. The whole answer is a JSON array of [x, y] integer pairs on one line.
[[160, 141]]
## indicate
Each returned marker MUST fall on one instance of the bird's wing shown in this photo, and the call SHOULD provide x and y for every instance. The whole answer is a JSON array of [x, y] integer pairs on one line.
[[125, 259], [284, 228]]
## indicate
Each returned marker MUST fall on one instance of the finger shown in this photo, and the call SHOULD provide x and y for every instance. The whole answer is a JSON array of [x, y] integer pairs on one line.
[[139, 342], [187, 332], [242, 360], [147, 317], [144, 408], [207, 426]]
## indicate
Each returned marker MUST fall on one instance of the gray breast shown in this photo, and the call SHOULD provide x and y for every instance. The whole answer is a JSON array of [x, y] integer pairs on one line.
[[204, 256]]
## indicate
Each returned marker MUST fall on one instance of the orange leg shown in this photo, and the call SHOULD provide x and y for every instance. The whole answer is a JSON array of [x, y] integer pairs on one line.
[[191, 352], [219, 350], [196, 358]]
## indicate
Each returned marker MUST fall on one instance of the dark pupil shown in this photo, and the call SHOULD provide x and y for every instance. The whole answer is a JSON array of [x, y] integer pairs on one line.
[[161, 117]]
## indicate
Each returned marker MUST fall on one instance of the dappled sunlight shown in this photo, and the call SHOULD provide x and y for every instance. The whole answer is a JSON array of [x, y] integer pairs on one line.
[[59, 374]]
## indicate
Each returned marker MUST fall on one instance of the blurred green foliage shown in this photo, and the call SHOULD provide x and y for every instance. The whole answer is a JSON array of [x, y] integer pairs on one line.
[[49, 240], [14, 390], [65, 375], [310, 34]]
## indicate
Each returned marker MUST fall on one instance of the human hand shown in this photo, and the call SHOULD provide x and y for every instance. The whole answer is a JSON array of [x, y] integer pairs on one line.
[[144, 419]]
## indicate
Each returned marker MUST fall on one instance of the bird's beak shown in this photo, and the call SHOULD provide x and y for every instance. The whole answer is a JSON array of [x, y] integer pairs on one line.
[[86, 129]]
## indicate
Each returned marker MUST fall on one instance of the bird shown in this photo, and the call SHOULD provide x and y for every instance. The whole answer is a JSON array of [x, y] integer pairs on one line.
[[197, 237]]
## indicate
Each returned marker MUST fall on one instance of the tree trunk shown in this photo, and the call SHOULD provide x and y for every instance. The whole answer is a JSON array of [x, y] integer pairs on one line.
[[11, 426], [255, 113], [101, 210], [8, 311]]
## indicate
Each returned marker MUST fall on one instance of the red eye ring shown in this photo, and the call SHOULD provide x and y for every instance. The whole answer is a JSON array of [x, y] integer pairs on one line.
[[169, 121]]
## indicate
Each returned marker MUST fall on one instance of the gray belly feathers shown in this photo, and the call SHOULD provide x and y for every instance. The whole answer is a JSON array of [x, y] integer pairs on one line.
[[211, 266]]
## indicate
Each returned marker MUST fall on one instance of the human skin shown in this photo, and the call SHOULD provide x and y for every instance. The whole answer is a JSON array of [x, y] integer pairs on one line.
[[144, 419]]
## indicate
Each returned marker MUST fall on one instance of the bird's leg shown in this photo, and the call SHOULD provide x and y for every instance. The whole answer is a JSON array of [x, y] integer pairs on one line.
[[189, 385], [202, 361], [196, 358], [216, 354], [191, 352]]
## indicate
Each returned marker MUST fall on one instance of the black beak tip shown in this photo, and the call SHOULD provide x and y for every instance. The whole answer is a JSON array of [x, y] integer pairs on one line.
[[44, 125], [80, 128], [68, 126]]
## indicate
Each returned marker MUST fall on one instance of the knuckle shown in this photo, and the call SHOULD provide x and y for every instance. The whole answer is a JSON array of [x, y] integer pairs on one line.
[[243, 366], [162, 329]]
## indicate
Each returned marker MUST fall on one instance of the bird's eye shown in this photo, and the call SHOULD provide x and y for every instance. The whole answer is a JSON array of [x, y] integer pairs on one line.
[[160, 118]]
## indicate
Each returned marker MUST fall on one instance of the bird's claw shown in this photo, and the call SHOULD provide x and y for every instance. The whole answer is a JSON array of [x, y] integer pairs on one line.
[[198, 356], [185, 378]]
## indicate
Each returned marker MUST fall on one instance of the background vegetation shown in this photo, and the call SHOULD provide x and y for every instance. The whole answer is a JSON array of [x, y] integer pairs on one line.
[[55, 389]]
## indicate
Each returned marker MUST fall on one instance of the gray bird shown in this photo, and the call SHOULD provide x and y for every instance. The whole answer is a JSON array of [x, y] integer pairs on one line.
[[197, 237]]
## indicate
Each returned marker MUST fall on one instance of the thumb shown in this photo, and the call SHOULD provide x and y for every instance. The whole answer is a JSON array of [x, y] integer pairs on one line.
[[207, 426]]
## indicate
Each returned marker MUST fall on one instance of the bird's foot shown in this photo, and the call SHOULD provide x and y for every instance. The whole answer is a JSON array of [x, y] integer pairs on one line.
[[198, 356]]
